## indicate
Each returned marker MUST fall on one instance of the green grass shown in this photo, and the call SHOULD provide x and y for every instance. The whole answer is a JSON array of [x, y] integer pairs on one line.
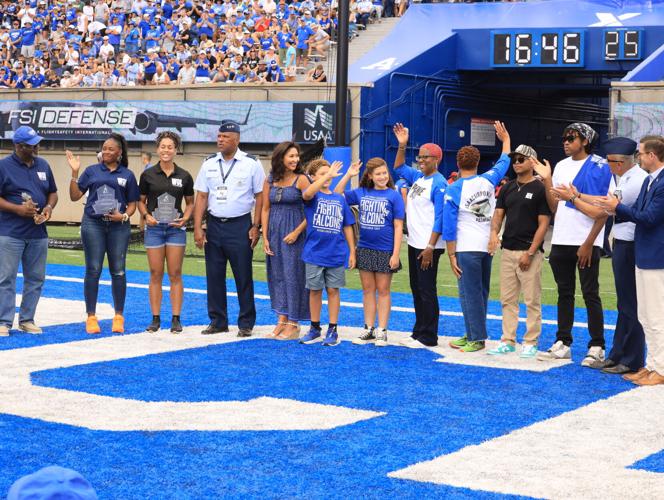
[[447, 285]]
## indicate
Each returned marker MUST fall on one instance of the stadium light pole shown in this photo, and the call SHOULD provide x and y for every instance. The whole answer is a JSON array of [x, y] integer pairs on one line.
[[342, 74]]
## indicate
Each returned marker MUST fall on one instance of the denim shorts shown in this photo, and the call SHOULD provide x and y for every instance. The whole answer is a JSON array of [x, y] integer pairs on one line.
[[318, 277], [164, 235]]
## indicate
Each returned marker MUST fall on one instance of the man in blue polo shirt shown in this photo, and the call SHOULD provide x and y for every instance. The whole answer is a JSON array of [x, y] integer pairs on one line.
[[27, 197]]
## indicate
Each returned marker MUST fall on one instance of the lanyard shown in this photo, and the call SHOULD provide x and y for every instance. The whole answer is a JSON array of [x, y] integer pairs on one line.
[[221, 168]]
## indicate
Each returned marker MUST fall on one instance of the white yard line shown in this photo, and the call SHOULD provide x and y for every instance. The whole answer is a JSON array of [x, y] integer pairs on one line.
[[356, 305]]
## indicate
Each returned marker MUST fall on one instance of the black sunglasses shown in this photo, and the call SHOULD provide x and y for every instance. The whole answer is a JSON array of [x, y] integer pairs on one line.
[[570, 138], [520, 159]]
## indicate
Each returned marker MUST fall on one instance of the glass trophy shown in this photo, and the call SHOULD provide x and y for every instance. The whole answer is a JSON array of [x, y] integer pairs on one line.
[[106, 202], [165, 212]]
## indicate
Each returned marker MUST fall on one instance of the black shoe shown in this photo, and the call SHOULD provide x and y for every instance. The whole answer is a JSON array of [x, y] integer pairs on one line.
[[618, 369], [607, 363], [244, 332], [211, 330], [176, 326], [154, 326]]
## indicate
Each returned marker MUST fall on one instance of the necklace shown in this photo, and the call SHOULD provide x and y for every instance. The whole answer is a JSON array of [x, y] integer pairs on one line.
[[520, 185]]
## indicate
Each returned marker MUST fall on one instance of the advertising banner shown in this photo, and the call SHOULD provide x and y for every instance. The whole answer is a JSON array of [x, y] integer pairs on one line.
[[195, 121], [636, 120]]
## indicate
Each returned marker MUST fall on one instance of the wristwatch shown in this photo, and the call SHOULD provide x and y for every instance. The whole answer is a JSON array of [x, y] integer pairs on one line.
[[430, 246], [257, 226]]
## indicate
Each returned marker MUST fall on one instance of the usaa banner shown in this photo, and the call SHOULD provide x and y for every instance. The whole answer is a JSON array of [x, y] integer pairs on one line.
[[196, 121]]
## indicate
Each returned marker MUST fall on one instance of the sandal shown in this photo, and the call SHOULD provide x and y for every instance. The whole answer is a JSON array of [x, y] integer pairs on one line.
[[277, 330], [293, 335]]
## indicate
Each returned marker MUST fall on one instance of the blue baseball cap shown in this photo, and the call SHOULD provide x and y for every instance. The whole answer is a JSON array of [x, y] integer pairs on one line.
[[620, 146], [229, 126], [26, 135], [52, 482]]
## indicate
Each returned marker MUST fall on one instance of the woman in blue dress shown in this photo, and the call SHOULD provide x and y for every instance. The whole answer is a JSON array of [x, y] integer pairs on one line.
[[284, 227]]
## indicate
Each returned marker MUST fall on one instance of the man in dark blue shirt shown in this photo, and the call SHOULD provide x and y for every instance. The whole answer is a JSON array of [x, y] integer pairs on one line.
[[27, 197]]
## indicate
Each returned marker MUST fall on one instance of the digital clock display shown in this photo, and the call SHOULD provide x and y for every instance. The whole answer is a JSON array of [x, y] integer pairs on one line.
[[622, 44], [537, 48]]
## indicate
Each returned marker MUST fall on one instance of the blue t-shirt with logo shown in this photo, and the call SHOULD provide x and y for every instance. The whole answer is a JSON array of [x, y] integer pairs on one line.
[[378, 209], [105, 187], [17, 178], [327, 215]]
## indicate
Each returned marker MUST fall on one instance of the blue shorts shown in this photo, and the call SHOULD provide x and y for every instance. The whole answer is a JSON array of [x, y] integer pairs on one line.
[[164, 235]]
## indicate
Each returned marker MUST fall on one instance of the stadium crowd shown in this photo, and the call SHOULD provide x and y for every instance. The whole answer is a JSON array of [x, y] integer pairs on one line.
[[307, 229], [104, 43]]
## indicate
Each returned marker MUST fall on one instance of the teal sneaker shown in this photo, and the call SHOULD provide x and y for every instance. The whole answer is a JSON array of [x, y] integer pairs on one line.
[[459, 343], [502, 348], [528, 351], [473, 346]]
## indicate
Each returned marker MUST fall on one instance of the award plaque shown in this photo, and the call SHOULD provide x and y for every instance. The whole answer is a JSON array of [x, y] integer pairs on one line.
[[106, 202], [165, 212]]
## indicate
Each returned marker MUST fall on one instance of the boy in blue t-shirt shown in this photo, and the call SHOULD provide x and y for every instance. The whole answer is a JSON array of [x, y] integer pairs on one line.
[[328, 246]]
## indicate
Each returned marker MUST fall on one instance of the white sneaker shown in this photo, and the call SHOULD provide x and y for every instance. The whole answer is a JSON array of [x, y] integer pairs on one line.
[[557, 351], [411, 343], [381, 337], [30, 327], [594, 358], [4, 331]]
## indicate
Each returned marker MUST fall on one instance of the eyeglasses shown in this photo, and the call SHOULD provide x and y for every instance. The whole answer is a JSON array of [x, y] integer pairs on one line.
[[423, 157], [615, 161], [520, 159], [570, 138]]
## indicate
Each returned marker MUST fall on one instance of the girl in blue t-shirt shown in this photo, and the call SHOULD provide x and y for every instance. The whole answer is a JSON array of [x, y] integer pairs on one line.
[[329, 245], [381, 214]]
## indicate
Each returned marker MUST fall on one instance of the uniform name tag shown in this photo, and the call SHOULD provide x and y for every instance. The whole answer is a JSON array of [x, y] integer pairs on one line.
[[222, 194], [177, 182], [529, 196], [211, 173], [42, 176]]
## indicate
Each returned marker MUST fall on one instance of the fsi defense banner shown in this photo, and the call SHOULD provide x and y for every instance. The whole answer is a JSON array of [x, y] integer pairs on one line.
[[198, 121]]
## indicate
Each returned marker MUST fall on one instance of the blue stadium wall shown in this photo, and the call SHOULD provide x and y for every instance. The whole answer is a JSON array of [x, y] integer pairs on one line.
[[432, 73]]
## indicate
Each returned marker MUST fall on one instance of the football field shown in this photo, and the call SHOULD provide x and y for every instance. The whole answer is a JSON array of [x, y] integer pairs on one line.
[[189, 416]]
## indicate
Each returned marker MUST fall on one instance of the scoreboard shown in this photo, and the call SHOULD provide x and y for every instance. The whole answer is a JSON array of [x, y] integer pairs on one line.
[[560, 48]]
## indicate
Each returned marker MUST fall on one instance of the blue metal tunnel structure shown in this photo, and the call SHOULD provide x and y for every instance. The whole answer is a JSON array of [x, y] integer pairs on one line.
[[448, 70]]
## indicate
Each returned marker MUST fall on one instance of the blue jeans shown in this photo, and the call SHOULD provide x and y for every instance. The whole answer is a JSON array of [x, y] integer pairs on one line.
[[101, 238], [32, 255], [474, 291]]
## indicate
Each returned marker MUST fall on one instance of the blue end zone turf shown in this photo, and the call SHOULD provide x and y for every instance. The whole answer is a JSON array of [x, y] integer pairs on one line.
[[430, 408]]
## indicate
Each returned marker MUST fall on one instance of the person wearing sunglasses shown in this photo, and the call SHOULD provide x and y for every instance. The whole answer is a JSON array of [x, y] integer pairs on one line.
[[647, 214], [522, 205], [424, 216], [469, 206], [578, 236], [628, 351]]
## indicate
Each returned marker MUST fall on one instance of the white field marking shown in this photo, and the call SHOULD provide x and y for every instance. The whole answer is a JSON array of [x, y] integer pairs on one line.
[[52, 311], [356, 305], [19, 397], [580, 454], [456, 357], [510, 361]]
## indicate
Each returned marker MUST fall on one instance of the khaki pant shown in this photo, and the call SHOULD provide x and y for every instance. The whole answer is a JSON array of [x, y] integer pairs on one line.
[[512, 281], [649, 292]]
